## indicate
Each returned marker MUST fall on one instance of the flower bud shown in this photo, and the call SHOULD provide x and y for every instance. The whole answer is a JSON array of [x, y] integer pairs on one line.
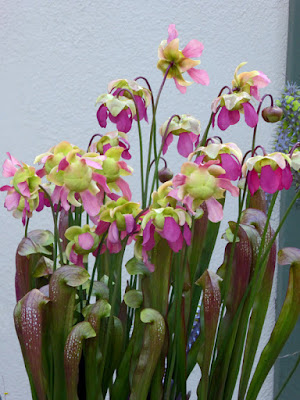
[[272, 114], [165, 174]]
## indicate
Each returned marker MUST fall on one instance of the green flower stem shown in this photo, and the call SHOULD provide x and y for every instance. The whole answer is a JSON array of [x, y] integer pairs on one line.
[[153, 133], [203, 141], [56, 233], [26, 227], [255, 128], [95, 268]]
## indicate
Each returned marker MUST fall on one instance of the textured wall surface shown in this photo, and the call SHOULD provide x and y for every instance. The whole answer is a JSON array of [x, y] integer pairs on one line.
[[58, 56]]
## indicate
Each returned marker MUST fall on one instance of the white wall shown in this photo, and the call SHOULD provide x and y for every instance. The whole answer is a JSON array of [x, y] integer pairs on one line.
[[58, 56]]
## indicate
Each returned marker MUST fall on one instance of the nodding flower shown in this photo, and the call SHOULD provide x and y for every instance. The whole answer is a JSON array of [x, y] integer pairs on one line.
[[179, 61]]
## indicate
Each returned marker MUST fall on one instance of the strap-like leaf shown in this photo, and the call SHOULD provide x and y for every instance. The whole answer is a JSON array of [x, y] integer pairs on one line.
[[72, 356], [152, 345], [209, 282], [30, 327], [285, 324]]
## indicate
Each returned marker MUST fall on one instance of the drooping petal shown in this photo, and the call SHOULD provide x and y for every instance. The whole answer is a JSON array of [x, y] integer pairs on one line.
[[102, 227], [63, 164], [193, 49], [251, 117], [173, 34], [167, 142], [171, 230], [182, 89], [227, 185], [124, 121], [24, 189], [64, 198], [125, 189], [130, 223], [12, 201], [86, 241], [214, 209], [179, 180], [101, 179], [231, 166], [90, 203], [199, 159], [185, 144], [234, 116], [187, 234], [102, 116], [224, 119], [113, 233], [269, 179], [253, 181], [176, 245], [254, 92], [148, 236], [141, 107], [261, 80], [199, 76]]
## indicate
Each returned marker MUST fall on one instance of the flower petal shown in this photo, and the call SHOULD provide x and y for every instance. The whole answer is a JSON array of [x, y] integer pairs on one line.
[[125, 189], [171, 230], [251, 117], [167, 142], [214, 209], [227, 185], [148, 236], [199, 76], [224, 119], [173, 34], [113, 233], [231, 166], [12, 201], [24, 189], [102, 116], [287, 177], [185, 144], [90, 203], [187, 234], [86, 241], [182, 89], [253, 181], [270, 180], [194, 49], [130, 223]]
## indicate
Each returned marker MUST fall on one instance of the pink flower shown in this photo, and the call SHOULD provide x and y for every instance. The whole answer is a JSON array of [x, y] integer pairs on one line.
[[179, 61], [271, 172]]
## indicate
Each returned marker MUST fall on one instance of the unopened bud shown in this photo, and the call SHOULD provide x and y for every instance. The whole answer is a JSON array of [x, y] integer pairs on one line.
[[272, 114], [165, 174]]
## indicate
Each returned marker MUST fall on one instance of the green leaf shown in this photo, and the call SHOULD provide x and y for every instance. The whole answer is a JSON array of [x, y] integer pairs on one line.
[[44, 267], [72, 356], [29, 315], [284, 326], [133, 298], [136, 267], [153, 341]]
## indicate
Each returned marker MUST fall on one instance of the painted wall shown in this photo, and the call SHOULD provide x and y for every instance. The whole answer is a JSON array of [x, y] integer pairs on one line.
[[58, 56]]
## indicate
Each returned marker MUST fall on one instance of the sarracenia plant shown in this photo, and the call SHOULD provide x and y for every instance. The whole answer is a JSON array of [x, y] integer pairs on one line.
[[83, 338]]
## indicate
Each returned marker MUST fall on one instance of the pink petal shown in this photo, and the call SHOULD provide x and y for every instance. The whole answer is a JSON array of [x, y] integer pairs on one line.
[[167, 142], [234, 116], [8, 169], [187, 234], [41, 172], [102, 116], [101, 180], [173, 34], [92, 163], [113, 233], [214, 209], [130, 223], [177, 245], [106, 147], [199, 76], [12, 201], [63, 164], [24, 189], [86, 241], [251, 117], [199, 159], [55, 197], [287, 177], [76, 259], [224, 119], [227, 185], [182, 89], [253, 181], [171, 230], [114, 247], [90, 203], [148, 236], [125, 189], [193, 49], [64, 198], [102, 227], [185, 144], [254, 92], [179, 180], [123, 121], [231, 166], [269, 179], [188, 202], [5, 188], [141, 108], [261, 80], [122, 164]]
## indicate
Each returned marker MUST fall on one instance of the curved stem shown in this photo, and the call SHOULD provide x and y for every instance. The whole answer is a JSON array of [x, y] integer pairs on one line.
[[92, 138], [96, 265], [258, 110], [26, 227], [56, 233], [294, 148], [140, 139]]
